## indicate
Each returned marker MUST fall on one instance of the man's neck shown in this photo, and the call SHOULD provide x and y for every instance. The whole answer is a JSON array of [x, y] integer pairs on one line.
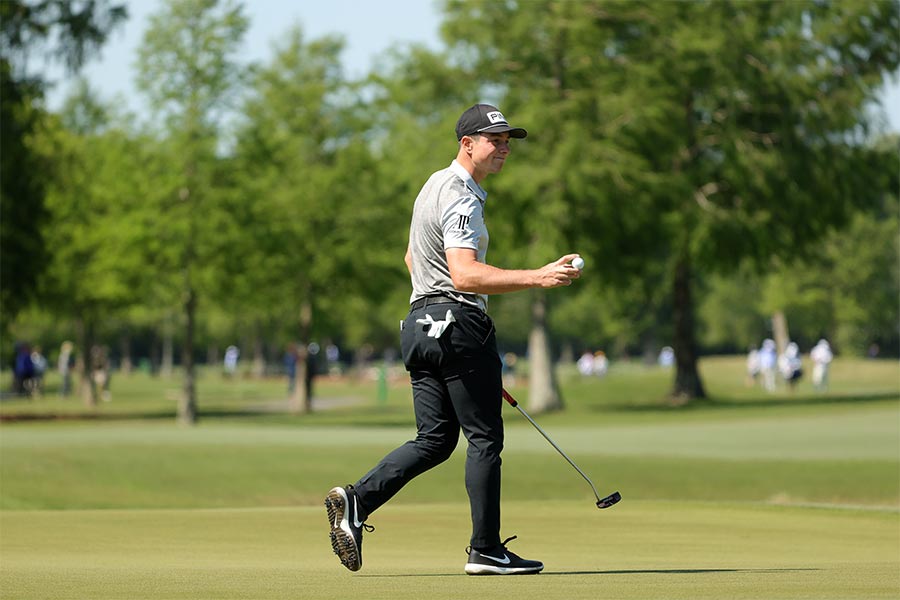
[[465, 161]]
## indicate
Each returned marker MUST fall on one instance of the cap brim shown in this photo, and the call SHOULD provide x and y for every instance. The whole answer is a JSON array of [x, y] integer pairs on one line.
[[514, 132]]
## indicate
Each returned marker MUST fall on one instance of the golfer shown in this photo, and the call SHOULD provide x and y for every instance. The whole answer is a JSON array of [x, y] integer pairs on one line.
[[450, 350]]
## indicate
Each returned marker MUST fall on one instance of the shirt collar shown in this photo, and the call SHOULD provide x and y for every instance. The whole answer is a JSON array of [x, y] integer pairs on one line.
[[460, 172]]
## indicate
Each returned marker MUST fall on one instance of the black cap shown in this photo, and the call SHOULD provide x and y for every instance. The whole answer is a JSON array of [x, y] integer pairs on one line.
[[484, 118]]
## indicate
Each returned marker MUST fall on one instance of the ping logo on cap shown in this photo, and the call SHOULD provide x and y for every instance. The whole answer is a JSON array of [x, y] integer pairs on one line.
[[495, 117]]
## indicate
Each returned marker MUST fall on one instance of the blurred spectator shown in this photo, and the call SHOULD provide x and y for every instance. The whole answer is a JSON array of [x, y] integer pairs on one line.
[[23, 370], [333, 358], [64, 365], [586, 363], [100, 375], [768, 360], [873, 351], [790, 365], [821, 356], [290, 366], [752, 367], [666, 357], [39, 363], [232, 354], [508, 368], [311, 358], [601, 363]]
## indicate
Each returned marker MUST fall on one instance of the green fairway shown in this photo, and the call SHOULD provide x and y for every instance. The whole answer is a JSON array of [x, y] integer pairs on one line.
[[836, 454], [745, 496], [636, 550]]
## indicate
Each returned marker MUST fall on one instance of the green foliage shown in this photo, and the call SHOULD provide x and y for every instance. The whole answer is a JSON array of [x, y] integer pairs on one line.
[[730, 135], [846, 290], [189, 70], [23, 254], [95, 235], [68, 32], [307, 195], [731, 312], [700, 135], [187, 62]]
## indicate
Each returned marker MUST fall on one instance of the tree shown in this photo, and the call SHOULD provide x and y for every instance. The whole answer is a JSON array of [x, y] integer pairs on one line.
[[97, 192], [188, 68], [734, 131], [562, 194], [846, 290], [66, 31], [860, 273], [309, 233]]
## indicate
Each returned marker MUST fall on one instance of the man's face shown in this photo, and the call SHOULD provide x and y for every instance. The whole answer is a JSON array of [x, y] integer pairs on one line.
[[489, 152]]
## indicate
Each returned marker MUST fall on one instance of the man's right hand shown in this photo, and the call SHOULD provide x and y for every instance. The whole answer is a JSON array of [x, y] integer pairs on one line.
[[558, 273]]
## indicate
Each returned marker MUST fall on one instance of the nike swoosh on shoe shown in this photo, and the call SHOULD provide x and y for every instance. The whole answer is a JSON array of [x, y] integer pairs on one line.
[[502, 561], [356, 522]]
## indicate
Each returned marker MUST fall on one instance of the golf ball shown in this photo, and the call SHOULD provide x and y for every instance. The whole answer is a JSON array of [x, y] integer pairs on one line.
[[578, 263]]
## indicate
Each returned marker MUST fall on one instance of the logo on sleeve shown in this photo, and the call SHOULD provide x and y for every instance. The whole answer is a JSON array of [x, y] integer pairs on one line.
[[462, 223]]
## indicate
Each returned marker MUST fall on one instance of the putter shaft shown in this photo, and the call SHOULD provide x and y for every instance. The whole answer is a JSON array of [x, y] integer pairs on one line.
[[558, 449], [601, 503]]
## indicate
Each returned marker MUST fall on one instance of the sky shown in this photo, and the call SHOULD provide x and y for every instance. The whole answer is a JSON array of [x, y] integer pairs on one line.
[[368, 26]]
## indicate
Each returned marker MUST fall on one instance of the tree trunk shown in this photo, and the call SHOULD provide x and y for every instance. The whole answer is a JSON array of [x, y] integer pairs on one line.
[[780, 331], [543, 389], [187, 405], [688, 385], [86, 389], [301, 399], [168, 352]]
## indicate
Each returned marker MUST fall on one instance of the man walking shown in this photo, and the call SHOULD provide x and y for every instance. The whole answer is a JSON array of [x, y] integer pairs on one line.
[[450, 350]]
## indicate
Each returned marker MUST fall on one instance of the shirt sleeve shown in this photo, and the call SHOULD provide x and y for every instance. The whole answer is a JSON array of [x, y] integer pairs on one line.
[[462, 223]]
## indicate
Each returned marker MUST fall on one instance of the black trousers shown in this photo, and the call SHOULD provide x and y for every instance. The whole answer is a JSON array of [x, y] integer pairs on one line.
[[456, 383]]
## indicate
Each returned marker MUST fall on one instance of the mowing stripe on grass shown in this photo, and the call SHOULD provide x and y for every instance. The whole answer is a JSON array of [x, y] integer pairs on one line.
[[868, 434], [873, 433]]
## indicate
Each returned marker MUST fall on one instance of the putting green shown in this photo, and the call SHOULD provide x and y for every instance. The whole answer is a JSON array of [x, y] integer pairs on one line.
[[638, 549]]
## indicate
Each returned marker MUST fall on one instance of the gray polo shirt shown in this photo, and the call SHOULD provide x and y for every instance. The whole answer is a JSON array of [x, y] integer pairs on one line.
[[448, 213]]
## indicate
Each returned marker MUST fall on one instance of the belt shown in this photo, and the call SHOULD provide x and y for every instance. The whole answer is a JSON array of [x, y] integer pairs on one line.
[[429, 300]]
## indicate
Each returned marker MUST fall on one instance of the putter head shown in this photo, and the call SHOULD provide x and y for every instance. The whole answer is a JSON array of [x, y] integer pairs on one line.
[[609, 500]]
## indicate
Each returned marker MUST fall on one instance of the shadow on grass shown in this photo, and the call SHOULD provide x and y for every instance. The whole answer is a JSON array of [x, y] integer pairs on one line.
[[29, 417], [362, 416], [367, 415], [609, 572], [675, 571]]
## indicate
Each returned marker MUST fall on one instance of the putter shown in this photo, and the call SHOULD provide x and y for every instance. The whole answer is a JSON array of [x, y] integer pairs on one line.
[[601, 502]]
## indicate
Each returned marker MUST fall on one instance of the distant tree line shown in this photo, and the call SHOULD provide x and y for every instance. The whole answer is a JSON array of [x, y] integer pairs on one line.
[[716, 163]]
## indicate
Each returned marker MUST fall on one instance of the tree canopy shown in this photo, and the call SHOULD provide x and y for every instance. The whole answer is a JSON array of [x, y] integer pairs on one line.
[[58, 30], [714, 162]]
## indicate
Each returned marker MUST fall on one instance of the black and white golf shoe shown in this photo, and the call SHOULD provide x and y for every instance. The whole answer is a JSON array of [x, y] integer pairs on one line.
[[346, 526], [500, 561]]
